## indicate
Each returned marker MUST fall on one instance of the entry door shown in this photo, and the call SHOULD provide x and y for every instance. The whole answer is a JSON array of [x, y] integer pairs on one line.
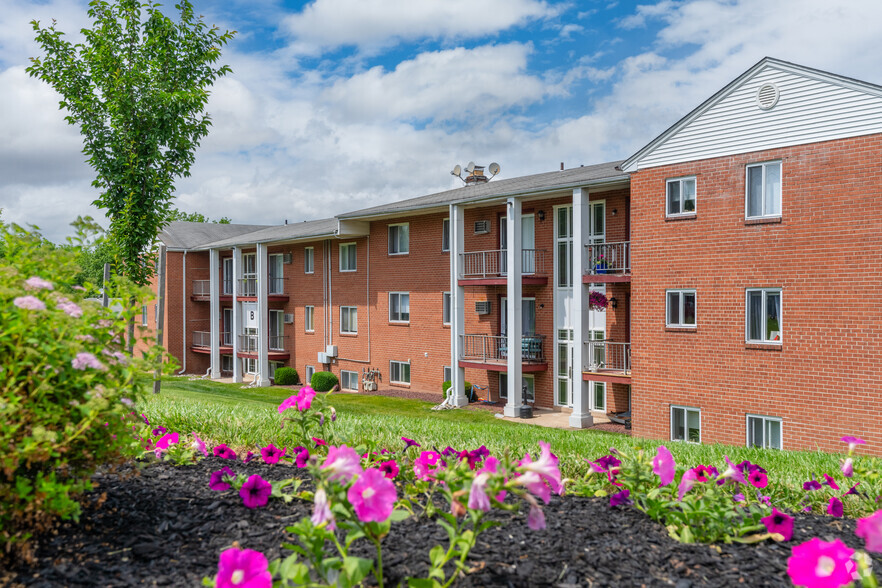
[[276, 322], [528, 316], [227, 336], [563, 302]]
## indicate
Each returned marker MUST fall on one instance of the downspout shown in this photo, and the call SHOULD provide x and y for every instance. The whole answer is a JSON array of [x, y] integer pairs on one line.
[[184, 313], [329, 319]]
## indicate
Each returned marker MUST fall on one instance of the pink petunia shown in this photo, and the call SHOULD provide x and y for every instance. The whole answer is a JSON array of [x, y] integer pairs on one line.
[[301, 456], [424, 465], [199, 445], [216, 481], [224, 452], [408, 443], [870, 530], [372, 496], [847, 467], [321, 510], [732, 473], [271, 454], [38, 283], [686, 483], [255, 492], [834, 507], [535, 518], [819, 564], [852, 443], [342, 463], [389, 468], [546, 467], [779, 522], [758, 479], [289, 402], [831, 482], [304, 398], [166, 440], [663, 465], [85, 360], [243, 568], [478, 499]]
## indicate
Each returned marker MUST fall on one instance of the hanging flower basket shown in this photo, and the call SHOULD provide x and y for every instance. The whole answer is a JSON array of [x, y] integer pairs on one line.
[[597, 301]]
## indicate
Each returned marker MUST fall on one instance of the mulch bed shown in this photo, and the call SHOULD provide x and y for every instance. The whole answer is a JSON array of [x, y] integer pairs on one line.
[[162, 526]]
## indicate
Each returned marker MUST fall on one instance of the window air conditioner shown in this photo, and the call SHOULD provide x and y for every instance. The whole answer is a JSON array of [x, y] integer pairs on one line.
[[331, 351], [482, 227], [286, 258], [323, 358], [482, 307], [289, 318]]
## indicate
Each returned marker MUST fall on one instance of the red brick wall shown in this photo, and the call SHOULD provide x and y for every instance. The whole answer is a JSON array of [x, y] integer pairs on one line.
[[824, 380]]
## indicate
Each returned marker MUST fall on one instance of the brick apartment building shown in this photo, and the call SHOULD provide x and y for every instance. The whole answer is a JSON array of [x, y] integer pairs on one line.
[[739, 251]]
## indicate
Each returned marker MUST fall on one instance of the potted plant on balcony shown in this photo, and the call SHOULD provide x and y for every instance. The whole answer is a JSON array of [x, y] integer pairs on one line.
[[600, 265], [597, 300]]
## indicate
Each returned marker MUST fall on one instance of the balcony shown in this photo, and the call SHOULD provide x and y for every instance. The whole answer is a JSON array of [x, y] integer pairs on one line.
[[277, 346], [488, 268], [247, 287], [202, 341], [490, 352], [607, 361], [607, 263], [201, 290]]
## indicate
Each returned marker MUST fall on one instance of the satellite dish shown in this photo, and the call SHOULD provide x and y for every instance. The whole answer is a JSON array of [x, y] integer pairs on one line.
[[470, 167], [456, 171], [494, 168]]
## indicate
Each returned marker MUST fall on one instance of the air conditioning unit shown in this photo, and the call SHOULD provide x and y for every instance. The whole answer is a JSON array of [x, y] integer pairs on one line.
[[482, 307], [331, 351], [482, 227], [289, 318], [323, 358], [286, 258]]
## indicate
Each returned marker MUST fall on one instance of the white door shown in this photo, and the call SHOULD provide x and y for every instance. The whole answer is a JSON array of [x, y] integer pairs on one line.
[[528, 243], [563, 300]]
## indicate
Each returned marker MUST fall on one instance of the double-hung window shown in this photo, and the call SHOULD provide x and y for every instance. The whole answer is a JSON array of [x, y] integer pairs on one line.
[[309, 319], [399, 239], [349, 320], [349, 380], [399, 307], [445, 235], [399, 372], [309, 260], [446, 302], [680, 310], [764, 190], [144, 315], [276, 277], [681, 197], [347, 257], [763, 431], [764, 324], [528, 387], [685, 424]]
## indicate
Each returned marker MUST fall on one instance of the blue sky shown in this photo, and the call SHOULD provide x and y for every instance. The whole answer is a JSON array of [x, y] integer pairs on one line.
[[335, 105]]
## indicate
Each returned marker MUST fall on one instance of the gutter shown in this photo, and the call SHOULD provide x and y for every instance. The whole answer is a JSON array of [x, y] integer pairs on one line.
[[184, 313]]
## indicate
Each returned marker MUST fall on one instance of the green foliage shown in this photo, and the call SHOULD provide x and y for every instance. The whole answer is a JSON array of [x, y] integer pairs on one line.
[[446, 385], [62, 381], [323, 381], [194, 217], [137, 88], [285, 376]]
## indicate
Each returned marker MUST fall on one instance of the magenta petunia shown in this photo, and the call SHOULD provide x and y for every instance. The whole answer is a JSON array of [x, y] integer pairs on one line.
[[424, 465], [29, 303], [243, 568], [830, 481], [686, 483], [758, 479], [38, 283], [834, 507], [389, 468], [408, 443], [663, 466], [301, 456], [289, 402], [546, 467], [732, 473], [304, 398], [84, 360], [271, 454], [199, 445], [811, 485], [478, 499], [319, 442], [343, 463], [621, 498], [779, 522], [217, 483], [255, 492], [847, 467], [870, 530], [536, 518], [819, 564], [166, 440], [224, 452], [853, 489], [159, 431], [372, 496]]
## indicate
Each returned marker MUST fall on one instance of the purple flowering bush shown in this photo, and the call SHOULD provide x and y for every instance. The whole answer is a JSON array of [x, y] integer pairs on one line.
[[64, 386]]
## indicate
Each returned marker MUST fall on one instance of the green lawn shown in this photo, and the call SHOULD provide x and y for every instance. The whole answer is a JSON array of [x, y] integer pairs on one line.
[[226, 413]]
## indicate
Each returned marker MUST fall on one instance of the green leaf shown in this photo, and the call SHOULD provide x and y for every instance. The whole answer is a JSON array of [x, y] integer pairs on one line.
[[422, 583], [399, 515], [437, 556], [357, 568]]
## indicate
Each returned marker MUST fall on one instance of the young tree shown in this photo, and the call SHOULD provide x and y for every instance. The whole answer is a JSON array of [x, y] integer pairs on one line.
[[195, 217], [137, 87]]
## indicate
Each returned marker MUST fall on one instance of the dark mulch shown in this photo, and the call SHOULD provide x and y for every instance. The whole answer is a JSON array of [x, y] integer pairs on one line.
[[164, 527]]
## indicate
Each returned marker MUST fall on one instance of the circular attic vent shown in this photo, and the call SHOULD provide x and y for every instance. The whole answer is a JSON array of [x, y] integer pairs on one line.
[[767, 96]]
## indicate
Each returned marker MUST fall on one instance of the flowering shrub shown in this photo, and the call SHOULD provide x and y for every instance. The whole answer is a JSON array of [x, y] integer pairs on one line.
[[65, 386]]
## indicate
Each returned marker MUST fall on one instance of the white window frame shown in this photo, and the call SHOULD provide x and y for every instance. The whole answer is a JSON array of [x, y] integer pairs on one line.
[[394, 363], [351, 377], [681, 302], [780, 195], [594, 388], [503, 389], [144, 315], [309, 260], [309, 318], [308, 372], [397, 249], [447, 374], [273, 366], [445, 234], [350, 310], [765, 420], [682, 212], [226, 363], [227, 276], [398, 319], [686, 410], [276, 260], [765, 293], [446, 308], [354, 257]]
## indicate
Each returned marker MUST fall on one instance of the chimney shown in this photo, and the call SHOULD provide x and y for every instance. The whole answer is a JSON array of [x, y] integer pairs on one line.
[[561, 166], [477, 176]]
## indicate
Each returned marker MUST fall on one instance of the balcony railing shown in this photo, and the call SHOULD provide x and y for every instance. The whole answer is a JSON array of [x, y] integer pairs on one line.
[[202, 339], [202, 288], [248, 343], [494, 348], [277, 342], [608, 356], [492, 263], [248, 287], [608, 258], [276, 286]]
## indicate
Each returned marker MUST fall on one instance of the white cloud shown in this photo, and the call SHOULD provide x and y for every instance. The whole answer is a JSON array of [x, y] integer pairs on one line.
[[373, 24], [647, 12]]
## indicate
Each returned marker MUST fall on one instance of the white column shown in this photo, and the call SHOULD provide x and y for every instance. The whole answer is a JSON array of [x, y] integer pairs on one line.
[[515, 303], [214, 312], [457, 302], [262, 316], [237, 315], [581, 416]]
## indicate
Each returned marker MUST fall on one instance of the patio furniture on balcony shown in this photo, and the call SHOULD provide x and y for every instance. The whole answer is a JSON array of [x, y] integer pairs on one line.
[[607, 262]]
